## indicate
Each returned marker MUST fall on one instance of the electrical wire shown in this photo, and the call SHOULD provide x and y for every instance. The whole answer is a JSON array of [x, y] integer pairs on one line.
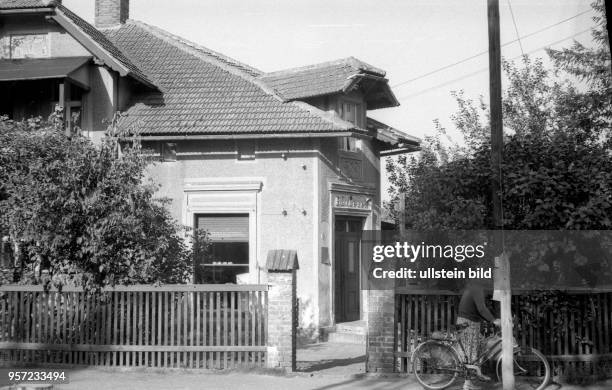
[[413, 95], [486, 51], [518, 37]]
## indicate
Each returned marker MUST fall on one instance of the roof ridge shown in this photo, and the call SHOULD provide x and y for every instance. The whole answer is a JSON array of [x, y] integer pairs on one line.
[[163, 34], [231, 67], [223, 62], [351, 61]]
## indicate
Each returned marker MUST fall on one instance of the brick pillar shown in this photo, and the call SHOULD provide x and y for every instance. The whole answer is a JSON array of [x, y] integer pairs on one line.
[[381, 331], [282, 309]]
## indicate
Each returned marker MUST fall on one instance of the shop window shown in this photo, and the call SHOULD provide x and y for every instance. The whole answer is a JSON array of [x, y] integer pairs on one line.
[[228, 255]]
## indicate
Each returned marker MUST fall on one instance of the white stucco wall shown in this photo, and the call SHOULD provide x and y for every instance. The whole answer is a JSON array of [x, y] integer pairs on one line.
[[287, 183], [295, 176]]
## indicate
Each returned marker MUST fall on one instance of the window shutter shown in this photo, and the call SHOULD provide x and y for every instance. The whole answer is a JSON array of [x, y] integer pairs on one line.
[[225, 227]]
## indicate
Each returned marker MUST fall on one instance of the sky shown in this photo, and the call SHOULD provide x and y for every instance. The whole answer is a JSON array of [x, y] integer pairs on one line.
[[407, 38]]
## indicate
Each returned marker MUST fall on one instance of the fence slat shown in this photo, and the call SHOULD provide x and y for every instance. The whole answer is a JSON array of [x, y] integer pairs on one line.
[[194, 328], [581, 344]]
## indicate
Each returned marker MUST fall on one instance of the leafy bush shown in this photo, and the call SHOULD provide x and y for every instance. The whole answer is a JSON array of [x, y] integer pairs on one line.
[[85, 212]]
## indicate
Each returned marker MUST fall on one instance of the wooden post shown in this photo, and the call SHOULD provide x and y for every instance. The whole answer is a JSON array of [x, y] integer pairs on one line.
[[502, 274], [402, 213]]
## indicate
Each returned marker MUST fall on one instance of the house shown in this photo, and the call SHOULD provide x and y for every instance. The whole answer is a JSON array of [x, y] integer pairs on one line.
[[263, 161]]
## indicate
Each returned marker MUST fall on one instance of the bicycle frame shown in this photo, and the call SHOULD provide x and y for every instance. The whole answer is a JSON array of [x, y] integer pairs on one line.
[[467, 365], [467, 368], [482, 357]]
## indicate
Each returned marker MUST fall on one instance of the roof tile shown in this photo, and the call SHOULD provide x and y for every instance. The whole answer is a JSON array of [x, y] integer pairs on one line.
[[320, 79], [16, 4], [98, 37], [203, 92]]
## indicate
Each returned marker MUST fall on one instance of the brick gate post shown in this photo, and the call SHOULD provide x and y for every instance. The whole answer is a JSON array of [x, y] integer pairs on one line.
[[381, 331], [282, 309]]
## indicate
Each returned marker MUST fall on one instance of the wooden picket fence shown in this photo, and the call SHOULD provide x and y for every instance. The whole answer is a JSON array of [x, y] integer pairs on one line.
[[579, 347], [180, 326]]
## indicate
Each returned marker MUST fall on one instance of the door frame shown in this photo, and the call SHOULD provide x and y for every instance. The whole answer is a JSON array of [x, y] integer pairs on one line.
[[370, 214], [358, 265], [366, 217]]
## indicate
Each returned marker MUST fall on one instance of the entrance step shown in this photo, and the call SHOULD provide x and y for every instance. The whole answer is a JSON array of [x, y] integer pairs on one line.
[[347, 332]]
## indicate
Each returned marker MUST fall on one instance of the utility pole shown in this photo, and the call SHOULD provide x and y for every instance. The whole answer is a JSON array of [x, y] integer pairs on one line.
[[502, 266], [402, 214]]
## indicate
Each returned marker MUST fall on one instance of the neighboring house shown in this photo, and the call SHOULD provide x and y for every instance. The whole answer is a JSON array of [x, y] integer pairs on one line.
[[282, 160]]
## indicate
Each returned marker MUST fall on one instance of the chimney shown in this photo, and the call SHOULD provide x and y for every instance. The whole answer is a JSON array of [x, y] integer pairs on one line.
[[111, 13]]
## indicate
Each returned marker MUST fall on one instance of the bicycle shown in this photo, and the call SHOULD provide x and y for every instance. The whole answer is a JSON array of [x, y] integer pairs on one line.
[[436, 363]]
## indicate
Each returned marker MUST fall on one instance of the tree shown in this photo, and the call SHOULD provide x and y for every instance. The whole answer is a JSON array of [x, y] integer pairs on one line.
[[557, 169], [86, 212]]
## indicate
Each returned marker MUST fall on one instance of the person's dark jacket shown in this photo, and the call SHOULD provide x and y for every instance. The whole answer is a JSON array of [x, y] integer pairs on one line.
[[472, 305]]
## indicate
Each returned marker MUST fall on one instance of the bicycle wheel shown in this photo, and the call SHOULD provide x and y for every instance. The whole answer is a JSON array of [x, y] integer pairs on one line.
[[435, 365], [531, 369]]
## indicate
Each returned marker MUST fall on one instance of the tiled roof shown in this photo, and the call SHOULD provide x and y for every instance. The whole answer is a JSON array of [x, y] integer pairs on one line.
[[98, 37], [389, 134], [282, 260], [320, 79], [94, 34], [203, 92], [16, 4]]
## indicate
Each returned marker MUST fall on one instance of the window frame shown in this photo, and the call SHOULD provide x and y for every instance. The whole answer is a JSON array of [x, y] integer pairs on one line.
[[222, 267], [359, 110], [227, 195], [349, 145]]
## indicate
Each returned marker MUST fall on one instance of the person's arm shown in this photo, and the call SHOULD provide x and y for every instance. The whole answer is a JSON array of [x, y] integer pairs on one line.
[[483, 310]]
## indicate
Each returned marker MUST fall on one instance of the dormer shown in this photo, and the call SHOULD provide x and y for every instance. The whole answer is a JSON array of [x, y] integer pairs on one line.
[[348, 88], [322, 84]]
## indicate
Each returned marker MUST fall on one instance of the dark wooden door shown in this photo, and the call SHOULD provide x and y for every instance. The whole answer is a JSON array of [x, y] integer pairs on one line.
[[347, 268]]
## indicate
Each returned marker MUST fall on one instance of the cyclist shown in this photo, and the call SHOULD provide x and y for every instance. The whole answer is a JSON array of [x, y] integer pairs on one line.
[[472, 311]]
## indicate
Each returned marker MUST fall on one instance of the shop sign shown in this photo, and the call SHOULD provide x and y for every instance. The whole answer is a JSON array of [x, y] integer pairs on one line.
[[352, 201]]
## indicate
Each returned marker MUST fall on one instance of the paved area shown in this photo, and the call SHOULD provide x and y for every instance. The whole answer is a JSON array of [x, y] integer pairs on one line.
[[97, 379], [332, 359], [325, 366]]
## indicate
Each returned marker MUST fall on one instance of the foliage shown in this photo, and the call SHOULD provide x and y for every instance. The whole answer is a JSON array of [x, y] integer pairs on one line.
[[85, 212], [557, 169]]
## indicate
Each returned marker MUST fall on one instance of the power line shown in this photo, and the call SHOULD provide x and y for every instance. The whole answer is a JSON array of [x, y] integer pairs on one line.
[[486, 51], [413, 95], [518, 37]]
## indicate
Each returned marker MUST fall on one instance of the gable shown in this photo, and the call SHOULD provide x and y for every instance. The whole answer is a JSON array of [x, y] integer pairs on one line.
[[33, 36], [33, 16]]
